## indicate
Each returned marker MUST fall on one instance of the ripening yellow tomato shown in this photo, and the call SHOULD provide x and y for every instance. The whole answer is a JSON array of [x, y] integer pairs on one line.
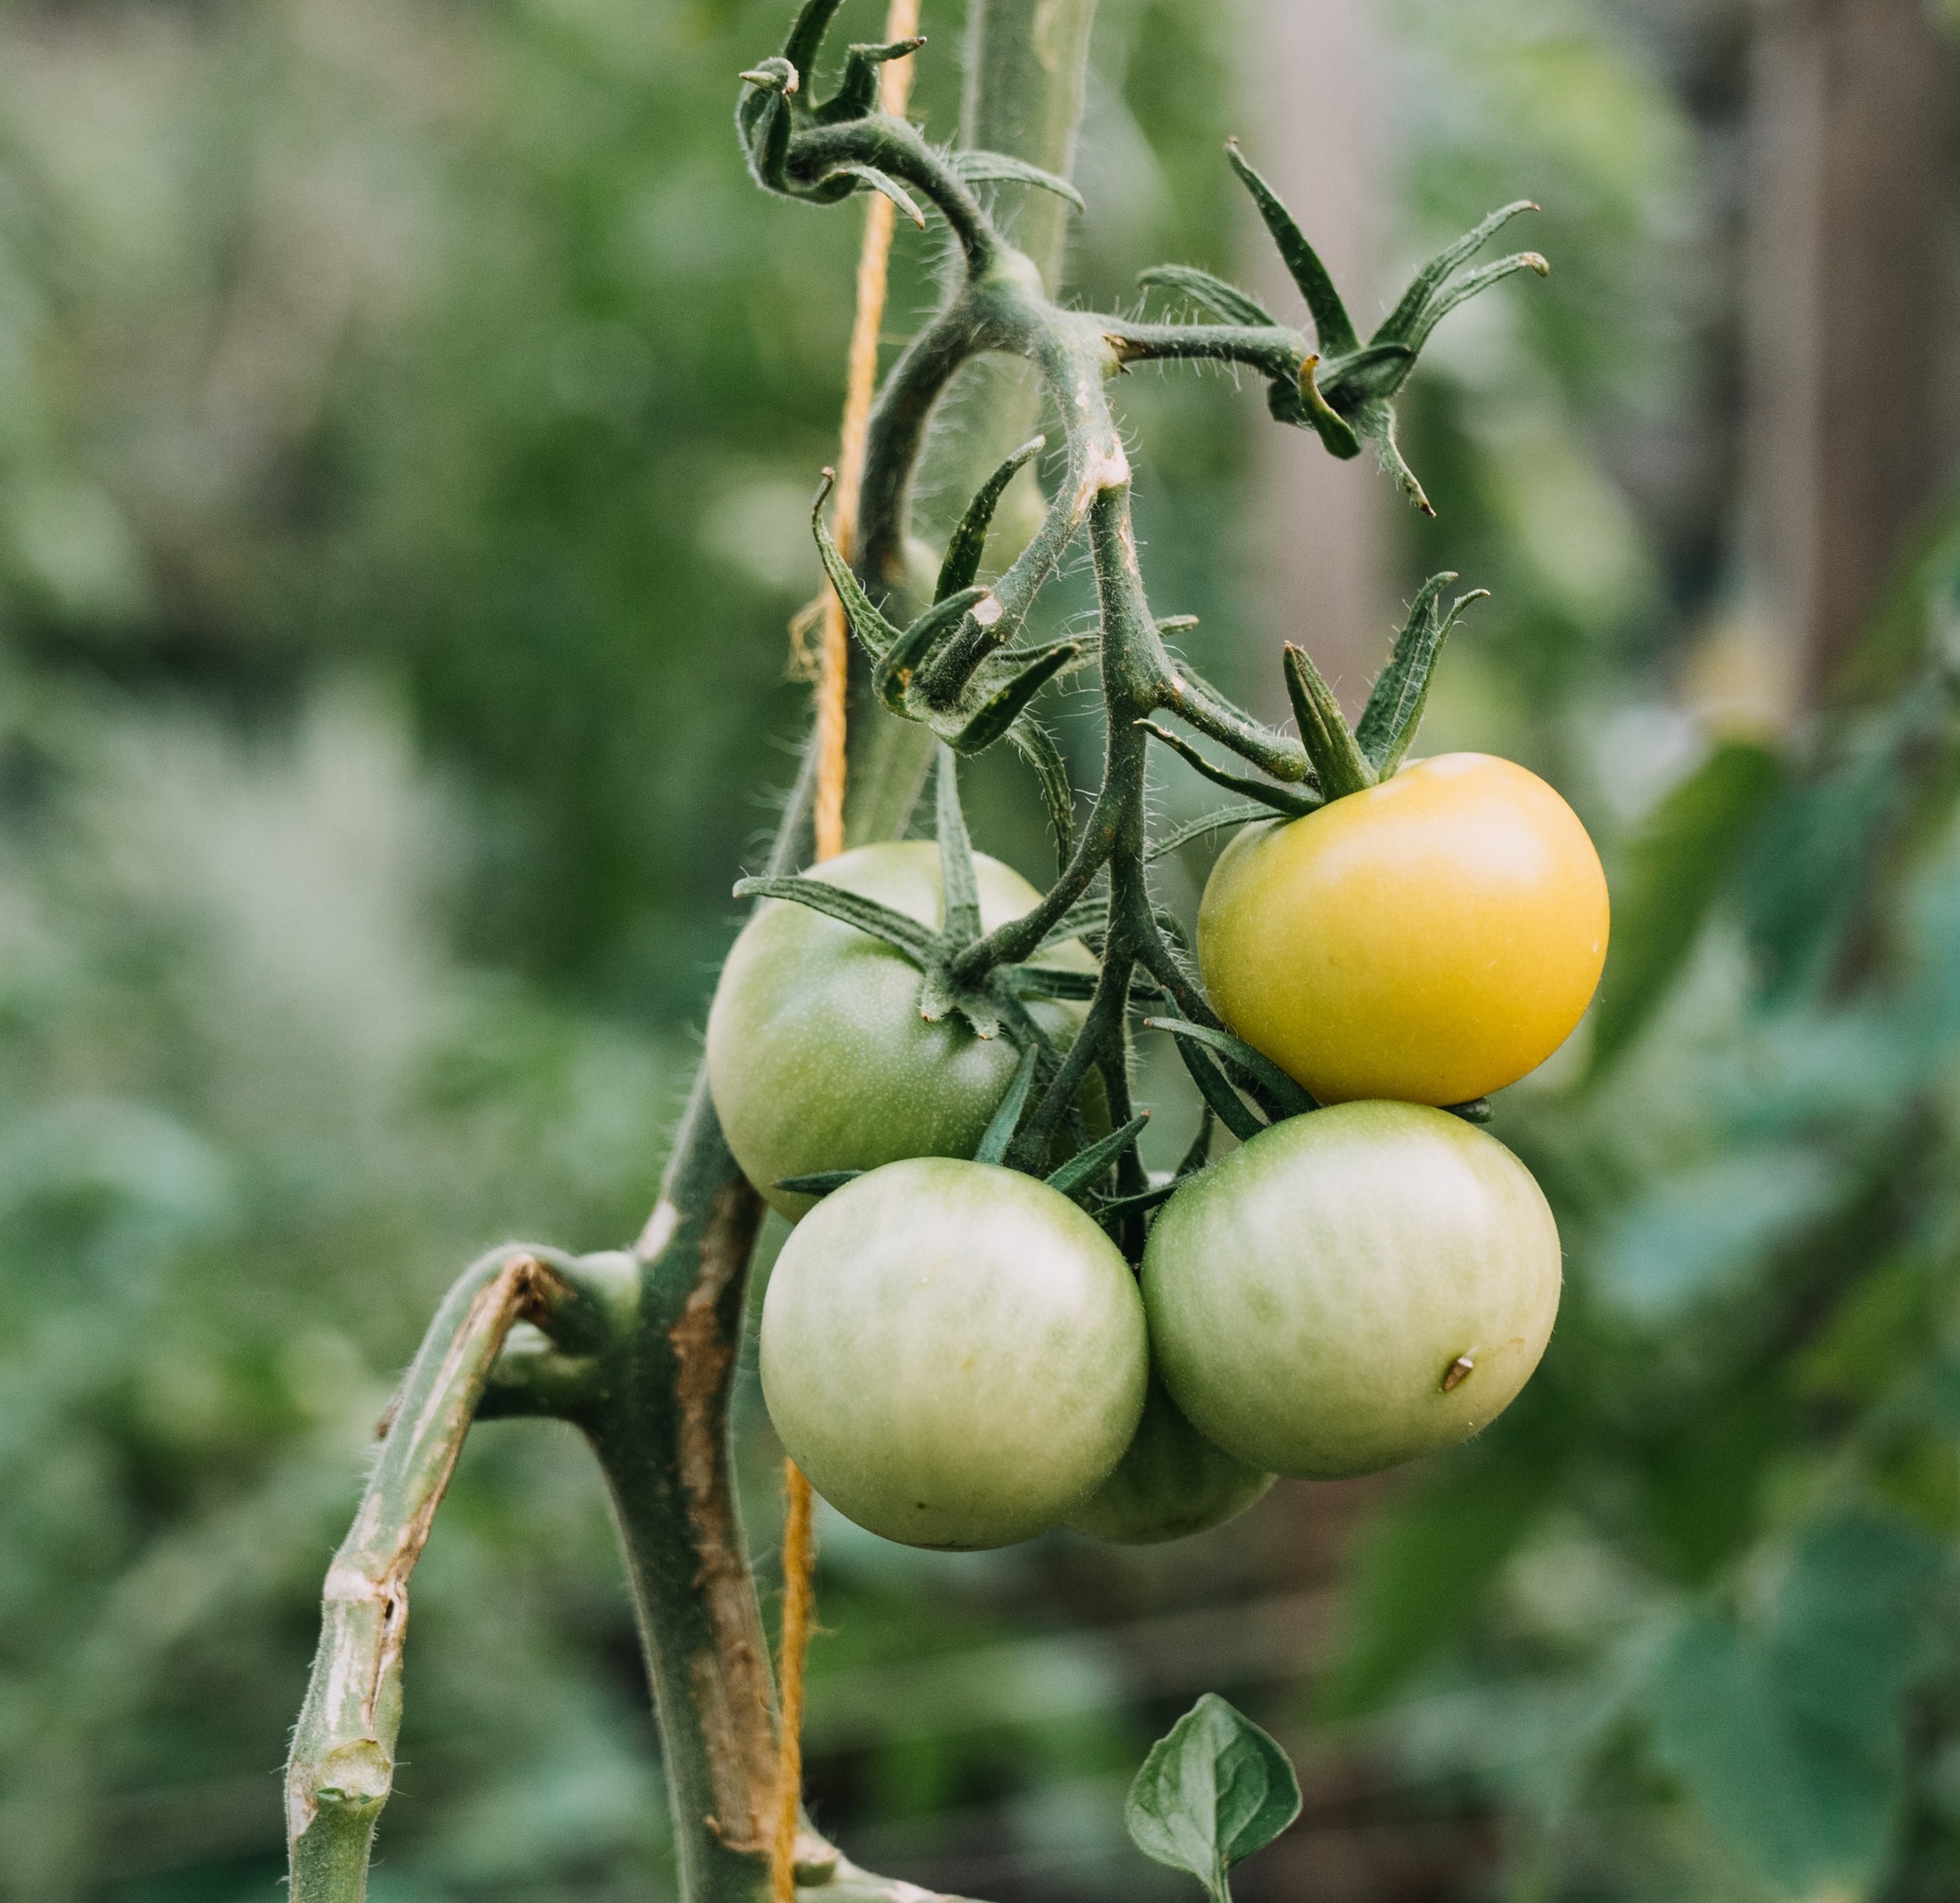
[[1429, 940]]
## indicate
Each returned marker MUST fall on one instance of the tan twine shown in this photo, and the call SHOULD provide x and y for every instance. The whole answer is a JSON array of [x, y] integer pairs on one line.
[[833, 669]]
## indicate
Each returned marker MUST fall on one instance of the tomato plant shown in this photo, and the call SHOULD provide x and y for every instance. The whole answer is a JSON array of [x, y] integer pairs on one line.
[[1431, 939], [954, 1347], [1352, 1289], [818, 1055], [953, 1353]]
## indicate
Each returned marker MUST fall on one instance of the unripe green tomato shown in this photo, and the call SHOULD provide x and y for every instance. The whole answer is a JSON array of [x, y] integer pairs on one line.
[[1352, 1288], [1430, 940], [817, 1057], [953, 1354], [1171, 1483]]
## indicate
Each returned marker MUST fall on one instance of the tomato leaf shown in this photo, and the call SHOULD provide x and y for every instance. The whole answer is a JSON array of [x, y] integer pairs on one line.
[[867, 623], [1675, 866], [1213, 1790], [1785, 1730], [1395, 710]]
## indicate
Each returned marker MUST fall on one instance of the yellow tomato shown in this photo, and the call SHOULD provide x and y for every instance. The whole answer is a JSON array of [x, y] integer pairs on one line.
[[1430, 940]]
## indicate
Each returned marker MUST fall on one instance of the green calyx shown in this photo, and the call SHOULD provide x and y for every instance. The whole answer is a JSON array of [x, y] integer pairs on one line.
[[993, 1004]]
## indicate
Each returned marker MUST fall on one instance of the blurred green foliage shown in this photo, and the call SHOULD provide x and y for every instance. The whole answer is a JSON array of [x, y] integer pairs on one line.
[[407, 421]]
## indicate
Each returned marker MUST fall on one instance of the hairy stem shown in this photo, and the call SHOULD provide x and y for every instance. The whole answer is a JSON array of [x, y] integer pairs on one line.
[[343, 1763]]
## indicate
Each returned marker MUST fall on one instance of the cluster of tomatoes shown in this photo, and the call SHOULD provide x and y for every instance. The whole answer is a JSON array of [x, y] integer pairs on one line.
[[959, 1356]]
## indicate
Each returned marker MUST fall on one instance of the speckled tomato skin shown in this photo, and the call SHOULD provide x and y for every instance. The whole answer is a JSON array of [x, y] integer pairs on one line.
[[1171, 1483], [1430, 940], [954, 1354], [817, 1057], [1309, 1295]]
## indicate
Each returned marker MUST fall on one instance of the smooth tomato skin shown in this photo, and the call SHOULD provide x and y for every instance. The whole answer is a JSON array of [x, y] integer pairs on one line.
[[954, 1354], [817, 1057], [1309, 1295], [1430, 940], [1171, 1483]]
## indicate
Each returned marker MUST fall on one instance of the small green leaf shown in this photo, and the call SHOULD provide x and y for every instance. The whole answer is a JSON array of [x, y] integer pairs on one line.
[[1284, 800], [1043, 981], [878, 181], [856, 94], [1474, 285], [1213, 1790], [999, 1135], [1388, 726], [1228, 301], [1087, 1166]]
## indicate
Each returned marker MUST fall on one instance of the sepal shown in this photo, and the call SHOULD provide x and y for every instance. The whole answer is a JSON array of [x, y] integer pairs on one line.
[[1224, 1102], [891, 676], [1287, 1095], [1214, 294], [1287, 801], [1331, 323], [1395, 710], [896, 928], [1037, 746], [999, 1136], [820, 1183], [867, 623], [969, 539], [857, 95], [1225, 818], [991, 720], [1081, 1172], [996, 168], [959, 883], [1339, 762]]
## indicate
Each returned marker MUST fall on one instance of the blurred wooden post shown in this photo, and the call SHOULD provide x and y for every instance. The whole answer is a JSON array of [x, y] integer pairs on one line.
[[1846, 443], [1320, 557]]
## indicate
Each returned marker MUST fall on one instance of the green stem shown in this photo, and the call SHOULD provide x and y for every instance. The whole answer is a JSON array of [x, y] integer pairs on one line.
[[342, 1766]]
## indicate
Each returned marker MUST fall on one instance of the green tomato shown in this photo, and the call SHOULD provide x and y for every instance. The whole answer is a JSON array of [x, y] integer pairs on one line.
[[1352, 1288], [955, 1354], [817, 1057], [1171, 1483]]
